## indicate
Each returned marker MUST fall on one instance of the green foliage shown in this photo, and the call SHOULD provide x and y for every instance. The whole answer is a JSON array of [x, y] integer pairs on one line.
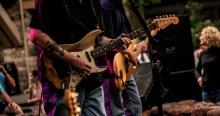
[[198, 21], [147, 2]]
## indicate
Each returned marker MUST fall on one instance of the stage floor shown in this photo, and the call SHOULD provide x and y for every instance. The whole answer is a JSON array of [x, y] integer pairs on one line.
[[186, 108]]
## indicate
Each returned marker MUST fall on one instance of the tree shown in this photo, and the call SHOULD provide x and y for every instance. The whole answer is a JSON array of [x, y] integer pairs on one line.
[[198, 20]]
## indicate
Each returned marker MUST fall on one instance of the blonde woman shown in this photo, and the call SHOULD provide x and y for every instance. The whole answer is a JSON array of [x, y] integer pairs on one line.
[[208, 75]]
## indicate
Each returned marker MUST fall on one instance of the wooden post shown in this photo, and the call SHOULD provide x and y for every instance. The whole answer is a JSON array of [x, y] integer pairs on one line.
[[25, 42]]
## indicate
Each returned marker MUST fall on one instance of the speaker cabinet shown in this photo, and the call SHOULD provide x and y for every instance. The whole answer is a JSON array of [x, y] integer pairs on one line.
[[175, 51]]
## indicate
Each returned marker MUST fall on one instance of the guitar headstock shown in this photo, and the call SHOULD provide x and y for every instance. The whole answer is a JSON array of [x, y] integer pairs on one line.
[[162, 22], [165, 20], [70, 100]]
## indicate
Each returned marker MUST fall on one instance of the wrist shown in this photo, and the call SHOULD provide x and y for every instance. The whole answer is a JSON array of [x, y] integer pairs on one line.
[[69, 58], [7, 75], [4, 72], [101, 38], [105, 40], [10, 101]]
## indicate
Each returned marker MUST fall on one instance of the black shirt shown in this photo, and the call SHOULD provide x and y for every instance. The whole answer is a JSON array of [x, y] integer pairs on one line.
[[65, 21], [114, 18], [210, 63]]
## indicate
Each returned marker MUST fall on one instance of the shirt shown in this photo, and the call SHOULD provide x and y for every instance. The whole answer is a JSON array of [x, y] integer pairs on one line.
[[65, 21], [210, 64], [2, 82]]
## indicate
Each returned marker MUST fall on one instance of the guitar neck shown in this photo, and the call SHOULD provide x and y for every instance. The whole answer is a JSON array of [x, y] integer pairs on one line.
[[141, 32], [118, 42], [99, 51], [137, 33]]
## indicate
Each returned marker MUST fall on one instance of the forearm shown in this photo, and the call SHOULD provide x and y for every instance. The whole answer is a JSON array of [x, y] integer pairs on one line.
[[50, 47], [8, 77], [6, 97], [10, 80]]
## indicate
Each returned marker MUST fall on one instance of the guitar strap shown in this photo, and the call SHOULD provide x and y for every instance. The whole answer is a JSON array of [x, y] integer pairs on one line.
[[96, 7]]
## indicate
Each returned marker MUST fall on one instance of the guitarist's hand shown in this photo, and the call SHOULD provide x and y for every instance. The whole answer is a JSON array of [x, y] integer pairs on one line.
[[123, 37], [200, 81], [143, 47], [81, 66], [105, 40], [125, 40], [132, 57]]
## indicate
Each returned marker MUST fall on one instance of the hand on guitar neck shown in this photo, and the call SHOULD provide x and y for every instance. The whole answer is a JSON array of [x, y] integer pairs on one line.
[[123, 49], [123, 38]]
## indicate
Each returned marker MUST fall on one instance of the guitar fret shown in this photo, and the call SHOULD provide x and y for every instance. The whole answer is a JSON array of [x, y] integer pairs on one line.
[[137, 33], [101, 50]]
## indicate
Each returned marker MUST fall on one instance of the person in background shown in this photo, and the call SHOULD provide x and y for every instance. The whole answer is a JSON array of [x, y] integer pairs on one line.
[[7, 105], [35, 94], [208, 67]]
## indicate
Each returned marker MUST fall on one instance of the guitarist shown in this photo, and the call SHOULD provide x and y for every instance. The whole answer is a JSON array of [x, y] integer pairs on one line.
[[127, 101], [65, 22]]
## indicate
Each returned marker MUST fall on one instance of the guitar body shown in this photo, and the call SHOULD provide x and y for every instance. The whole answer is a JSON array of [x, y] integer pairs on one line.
[[87, 41], [122, 67], [85, 54], [80, 49]]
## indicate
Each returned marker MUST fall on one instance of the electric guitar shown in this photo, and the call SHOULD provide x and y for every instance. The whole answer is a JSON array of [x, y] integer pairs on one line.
[[70, 100], [85, 49], [122, 67]]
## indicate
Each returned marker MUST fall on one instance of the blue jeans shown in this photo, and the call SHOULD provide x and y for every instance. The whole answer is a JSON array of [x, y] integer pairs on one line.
[[90, 99], [213, 95], [122, 103], [3, 105]]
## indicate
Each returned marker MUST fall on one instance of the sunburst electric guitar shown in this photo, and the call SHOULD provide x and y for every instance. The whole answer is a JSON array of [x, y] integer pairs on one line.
[[122, 67]]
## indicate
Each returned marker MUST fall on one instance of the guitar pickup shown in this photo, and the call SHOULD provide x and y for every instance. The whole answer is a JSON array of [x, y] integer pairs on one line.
[[88, 56]]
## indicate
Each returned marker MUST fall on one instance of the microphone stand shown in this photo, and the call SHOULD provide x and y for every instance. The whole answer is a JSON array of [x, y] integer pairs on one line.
[[154, 61]]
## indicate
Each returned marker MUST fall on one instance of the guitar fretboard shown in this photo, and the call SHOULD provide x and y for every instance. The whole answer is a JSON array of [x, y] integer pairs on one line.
[[116, 43]]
